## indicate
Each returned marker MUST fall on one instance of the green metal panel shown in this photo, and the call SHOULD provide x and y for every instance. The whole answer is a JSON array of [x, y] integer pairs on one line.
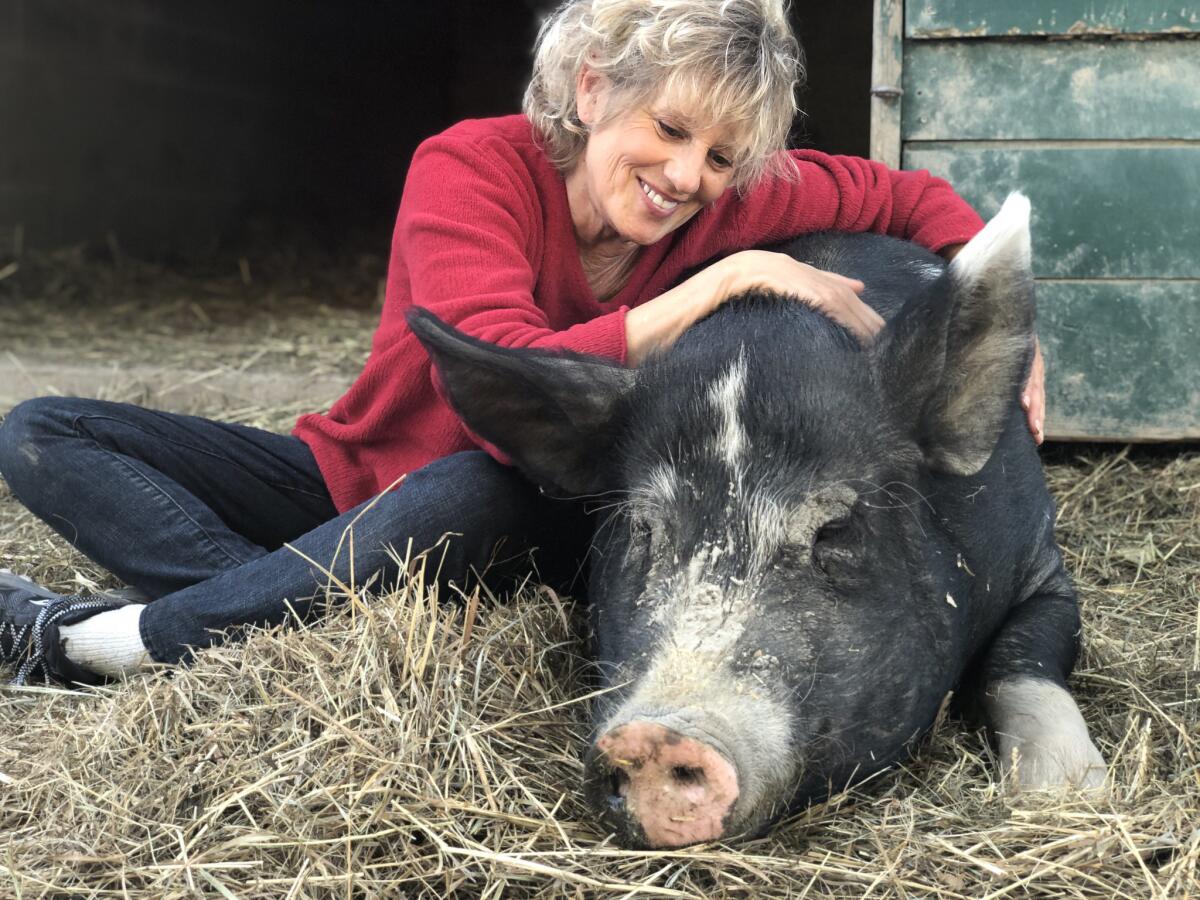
[[989, 18], [1104, 136], [1122, 358], [1098, 212], [964, 90]]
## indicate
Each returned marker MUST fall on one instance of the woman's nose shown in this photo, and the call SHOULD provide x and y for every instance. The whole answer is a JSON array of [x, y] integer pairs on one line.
[[684, 170]]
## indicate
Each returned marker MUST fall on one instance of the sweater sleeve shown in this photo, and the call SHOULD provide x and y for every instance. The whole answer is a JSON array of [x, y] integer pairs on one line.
[[845, 193], [469, 244]]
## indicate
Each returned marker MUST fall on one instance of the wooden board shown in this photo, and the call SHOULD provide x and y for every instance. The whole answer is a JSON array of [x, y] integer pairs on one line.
[[886, 64], [986, 90], [1123, 359], [991, 18], [1123, 211]]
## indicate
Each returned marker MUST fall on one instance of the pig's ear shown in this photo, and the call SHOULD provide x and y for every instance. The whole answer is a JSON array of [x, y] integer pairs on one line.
[[960, 355], [552, 414]]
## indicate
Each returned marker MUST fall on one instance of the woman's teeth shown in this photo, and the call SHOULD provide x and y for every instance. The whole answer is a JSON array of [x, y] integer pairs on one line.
[[658, 199]]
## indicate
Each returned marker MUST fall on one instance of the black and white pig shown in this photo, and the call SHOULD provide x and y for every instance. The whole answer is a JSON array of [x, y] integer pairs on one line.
[[812, 542]]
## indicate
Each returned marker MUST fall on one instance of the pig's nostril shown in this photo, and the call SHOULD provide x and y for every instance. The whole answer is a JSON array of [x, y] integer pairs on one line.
[[618, 786], [688, 774]]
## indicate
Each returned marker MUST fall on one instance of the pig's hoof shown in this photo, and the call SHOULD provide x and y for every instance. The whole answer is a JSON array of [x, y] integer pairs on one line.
[[1054, 762], [1042, 738]]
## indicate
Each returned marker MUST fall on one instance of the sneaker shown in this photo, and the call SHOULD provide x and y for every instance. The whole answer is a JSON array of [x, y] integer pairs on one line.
[[30, 617]]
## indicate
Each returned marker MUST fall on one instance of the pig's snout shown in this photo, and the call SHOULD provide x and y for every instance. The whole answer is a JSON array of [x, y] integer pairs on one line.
[[676, 789]]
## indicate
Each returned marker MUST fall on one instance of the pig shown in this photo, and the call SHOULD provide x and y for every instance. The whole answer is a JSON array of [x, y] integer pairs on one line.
[[806, 545]]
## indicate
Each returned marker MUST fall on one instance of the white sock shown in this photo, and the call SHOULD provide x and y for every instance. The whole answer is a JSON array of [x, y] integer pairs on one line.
[[108, 643]]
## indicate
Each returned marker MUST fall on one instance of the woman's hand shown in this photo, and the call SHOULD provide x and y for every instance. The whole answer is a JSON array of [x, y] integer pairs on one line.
[[657, 324], [828, 293], [1033, 398]]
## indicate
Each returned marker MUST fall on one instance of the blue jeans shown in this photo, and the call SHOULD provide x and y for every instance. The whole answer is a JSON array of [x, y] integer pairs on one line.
[[195, 513]]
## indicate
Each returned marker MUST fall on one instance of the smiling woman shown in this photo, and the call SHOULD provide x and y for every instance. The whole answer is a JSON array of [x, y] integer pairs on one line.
[[652, 142], [730, 63], [645, 173]]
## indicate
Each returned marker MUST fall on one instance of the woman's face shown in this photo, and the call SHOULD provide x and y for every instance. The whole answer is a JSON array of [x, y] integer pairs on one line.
[[645, 172]]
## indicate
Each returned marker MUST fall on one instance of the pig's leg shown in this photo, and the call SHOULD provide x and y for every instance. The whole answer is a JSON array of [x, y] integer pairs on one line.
[[1040, 734]]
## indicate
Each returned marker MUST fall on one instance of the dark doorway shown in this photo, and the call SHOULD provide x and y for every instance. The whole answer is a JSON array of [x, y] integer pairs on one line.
[[171, 126]]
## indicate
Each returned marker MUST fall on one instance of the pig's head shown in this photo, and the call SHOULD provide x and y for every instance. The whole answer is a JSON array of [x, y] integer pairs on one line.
[[769, 587]]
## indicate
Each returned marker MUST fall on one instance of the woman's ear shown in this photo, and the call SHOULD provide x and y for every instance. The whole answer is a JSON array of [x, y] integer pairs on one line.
[[591, 88]]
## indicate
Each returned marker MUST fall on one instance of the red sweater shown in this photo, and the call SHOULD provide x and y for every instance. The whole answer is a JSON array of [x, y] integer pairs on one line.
[[485, 240]]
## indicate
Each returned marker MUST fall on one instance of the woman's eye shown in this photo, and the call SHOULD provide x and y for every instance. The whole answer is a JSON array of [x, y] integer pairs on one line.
[[669, 131], [720, 161]]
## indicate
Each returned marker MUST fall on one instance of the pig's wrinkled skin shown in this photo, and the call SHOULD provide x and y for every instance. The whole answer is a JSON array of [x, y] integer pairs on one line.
[[812, 543]]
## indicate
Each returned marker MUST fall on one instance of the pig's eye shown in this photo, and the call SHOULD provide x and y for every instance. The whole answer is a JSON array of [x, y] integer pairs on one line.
[[640, 535], [645, 533], [829, 544], [832, 530]]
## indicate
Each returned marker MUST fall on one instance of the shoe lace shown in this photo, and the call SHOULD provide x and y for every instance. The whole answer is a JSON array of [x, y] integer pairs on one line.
[[13, 641], [34, 633]]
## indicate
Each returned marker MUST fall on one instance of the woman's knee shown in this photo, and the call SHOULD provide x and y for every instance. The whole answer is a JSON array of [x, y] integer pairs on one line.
[[470, 471], [462, 504], [480, 494], [496, 514], [26, 429]]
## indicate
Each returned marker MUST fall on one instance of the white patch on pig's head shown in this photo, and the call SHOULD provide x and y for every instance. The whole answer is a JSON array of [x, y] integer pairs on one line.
[[726, 395], [705, 600]]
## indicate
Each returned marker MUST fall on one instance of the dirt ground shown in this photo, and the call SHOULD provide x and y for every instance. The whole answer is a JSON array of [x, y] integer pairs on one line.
[[248, 336], [408, 748]]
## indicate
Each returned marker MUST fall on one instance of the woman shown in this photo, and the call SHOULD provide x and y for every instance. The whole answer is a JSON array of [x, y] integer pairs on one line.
[[651, 142]]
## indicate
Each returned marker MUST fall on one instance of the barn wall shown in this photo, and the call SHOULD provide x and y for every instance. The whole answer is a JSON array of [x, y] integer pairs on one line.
[[1092, 109], [171, 125]]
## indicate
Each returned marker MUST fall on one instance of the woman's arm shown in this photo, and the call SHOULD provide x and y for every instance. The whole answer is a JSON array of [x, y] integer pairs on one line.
[[845, 193], [658, 323], [830, 193]]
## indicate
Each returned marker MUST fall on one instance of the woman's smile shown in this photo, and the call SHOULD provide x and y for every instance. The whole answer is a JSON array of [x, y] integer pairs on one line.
[[658, 203]]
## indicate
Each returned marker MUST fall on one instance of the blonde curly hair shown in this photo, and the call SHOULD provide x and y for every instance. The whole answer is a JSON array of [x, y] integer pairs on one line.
[[736, 59]]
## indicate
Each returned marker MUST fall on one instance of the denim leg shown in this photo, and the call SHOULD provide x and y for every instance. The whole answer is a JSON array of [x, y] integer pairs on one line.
[[161, 500], [468, 495]]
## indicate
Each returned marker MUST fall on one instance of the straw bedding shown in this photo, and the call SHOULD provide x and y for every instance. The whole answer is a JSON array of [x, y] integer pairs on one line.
[[404, 746]]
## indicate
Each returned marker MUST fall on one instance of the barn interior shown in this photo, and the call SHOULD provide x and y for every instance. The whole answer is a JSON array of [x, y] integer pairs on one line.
[[229, 170], [195, 209]]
